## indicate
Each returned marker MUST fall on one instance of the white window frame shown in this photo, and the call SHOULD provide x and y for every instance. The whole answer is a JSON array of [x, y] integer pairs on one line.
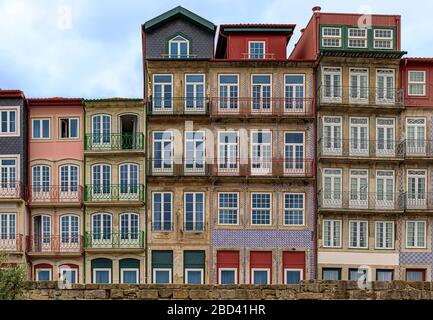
[[385, 151], [195, 109], [294, 104], [264, 169], [357, 37], [44, 269], [295, 160], [155, 270], [17, 131], [386, 99], [102, 269], [360, 90], [262, 110], [270, 209], [339, 37], [333, 150], [268, 273], [358, 235], [227, 269], [163, 109], [61, 269], [332, 226], [137, 273], [332, 71], [178, 42], [163, 160], [358, 202], [416, 202], [423, 83], [194, 215], [162, 211], [333, 202], [383, 203], [391, 38], [297, 209], [236, 161], [42, 129], [416, 146], [416, 232], [356, 149], [194, 158], [227, 100], [249, 48], [194, 270], [384, 235], [301, 271], [100, 137], [237, 208], [69, 128]]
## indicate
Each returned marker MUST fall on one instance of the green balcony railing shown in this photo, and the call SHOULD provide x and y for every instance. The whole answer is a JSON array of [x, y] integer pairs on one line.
[[113, 192], [114, 240], [113, 141]]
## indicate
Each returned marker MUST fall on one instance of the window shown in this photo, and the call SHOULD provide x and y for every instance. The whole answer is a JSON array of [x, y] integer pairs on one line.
[[8, 237], [385, 137], [195, 90], [228, 266], [41, 128], [415, 234], [68, 274], [228, 208], [43, 274], [260, 276], [102, 230], [415, 274], [69, 182], [293, 276], [332, 135], [70, 232], [384, 235], [357, 38], [101, 130], [385, 189], [416, 136], [41, 233], [359, 142], [294, 209], [228, 162], [228, 93], [129, 176], [358, 236], [194, 265], [294, 93], [101, 276], [129, 275], [384, 275], [331, 274], [385, 86], [228, 275], [294, 152], [332, 188], [162, 211], [129, 229], [41, 182], [261, 212], [416, 83], [416, 189], [383, 39], [331, 85], [256, 50], [69, 128], [331, 37], [358, 188], [261, 90], [8, 178], [9, 122], [194, 276], [194, 211], [358, 274], [101, 182], [261, 152], [332, 233], [358, 78], [178, 48], [161, 275], [162, 151], [162, 93], [195, 151]]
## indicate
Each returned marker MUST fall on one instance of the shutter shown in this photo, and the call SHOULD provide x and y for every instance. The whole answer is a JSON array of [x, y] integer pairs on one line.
[[228, 259], [129, 264], [162, 259], [194, 259]]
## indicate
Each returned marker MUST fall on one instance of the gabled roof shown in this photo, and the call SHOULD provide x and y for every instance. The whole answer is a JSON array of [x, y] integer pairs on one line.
[[258, 27], [176, 12]]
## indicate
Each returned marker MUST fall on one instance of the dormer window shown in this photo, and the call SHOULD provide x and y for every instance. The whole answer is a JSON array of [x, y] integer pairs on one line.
[[178, 48], [256, 49], [383, 39], [357, 38], [331, 37]]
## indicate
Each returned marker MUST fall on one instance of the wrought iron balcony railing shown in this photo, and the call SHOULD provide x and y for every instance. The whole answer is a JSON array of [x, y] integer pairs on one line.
[[358, 95], [55, 194], [113, 192], [296, 168], [177, 105], [114, 141], [276, 107], [55, 244], [361, 200], [418, 147], [114, 240], [11, 242], [361, 148], [419, 200], [11, 190]]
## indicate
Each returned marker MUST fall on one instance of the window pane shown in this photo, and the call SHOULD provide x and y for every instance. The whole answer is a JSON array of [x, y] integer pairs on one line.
[[129, 276], [227, 277], [162, 276], [194, 277], [293, 277], [260, 277]]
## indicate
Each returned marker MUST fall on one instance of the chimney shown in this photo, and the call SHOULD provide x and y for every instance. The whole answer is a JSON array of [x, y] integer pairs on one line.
[[316, 9]]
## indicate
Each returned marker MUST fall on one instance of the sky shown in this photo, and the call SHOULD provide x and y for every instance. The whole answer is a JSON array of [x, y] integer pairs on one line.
[[92, 48]]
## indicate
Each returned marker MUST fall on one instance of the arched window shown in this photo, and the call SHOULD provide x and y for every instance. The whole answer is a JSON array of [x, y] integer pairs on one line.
[[129, 228], [101, 182], [101, 230], [41, 177], [128, 174], [69, 232], [178, 48]]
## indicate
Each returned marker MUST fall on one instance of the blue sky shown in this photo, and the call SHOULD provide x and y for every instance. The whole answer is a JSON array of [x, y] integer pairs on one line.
[[92, 48]]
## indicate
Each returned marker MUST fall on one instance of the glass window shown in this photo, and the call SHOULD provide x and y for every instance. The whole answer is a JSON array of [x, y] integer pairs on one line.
[[358, 274], [384, 235], [195, 151], [9, 122], [261, 90], [228, 93], [101, 130], [332, 188], [228, 152], [129, 228], [357, 38], [8, 177], [41, 128], [70, 231], [332, 233], [161, 276], [383, 39], [256, 50], [129, 276], [294, 209], [194, 276], [415, 234], [331, 84], [415, 275], [294, 152], [228, 276], [69, 128], [358, 236], [102, 276], [43, 274], [261, 152], [195, 92], [8, 231], [40, 181], [385, 86], [101, 181], [331, 37], [178, 48], [294, 92], [162, 93], [260, 276], [228, 209], [129, 181], [101, 227], [331, 274], [194, 211], [162, 211], [261, 208], [416, 83], [162, 151], [69, 275], [384, 275], [416, 136], [292, 276]]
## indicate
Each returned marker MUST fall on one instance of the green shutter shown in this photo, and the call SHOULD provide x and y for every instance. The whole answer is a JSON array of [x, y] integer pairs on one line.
[[129, 263], [162, 259], [194, 259], [101, 263]]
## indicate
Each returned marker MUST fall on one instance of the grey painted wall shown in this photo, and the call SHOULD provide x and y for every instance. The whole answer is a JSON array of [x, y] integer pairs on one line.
[[202, 40]]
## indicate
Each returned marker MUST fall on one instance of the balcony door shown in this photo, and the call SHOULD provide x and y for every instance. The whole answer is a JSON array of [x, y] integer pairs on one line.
[[194, 151], [359, 144], [294, 153], [385, 182], [101, 182], [358, 85], [69, 183], [332, 188], [69, 233], [101, 131], [162, 93], [261, 91], [331, 82], [41, 178], [228, 154], [195, 93], [294, 93], [9, 187], [128, 189], [385, 86], [416, 188], [162, 152], [385, 137], [129, 230], [102, 230], [41, 233], [332, 136], [415, 136], [261, 153], [358, 189], [129, 138], [228, 93], [8, 236]]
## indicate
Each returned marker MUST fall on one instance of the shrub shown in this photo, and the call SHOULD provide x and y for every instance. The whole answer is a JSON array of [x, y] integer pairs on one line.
[[12, 279]]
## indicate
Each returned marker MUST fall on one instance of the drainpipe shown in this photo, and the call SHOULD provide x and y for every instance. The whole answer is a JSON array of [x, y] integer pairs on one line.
[[316, 172], [84, 207]]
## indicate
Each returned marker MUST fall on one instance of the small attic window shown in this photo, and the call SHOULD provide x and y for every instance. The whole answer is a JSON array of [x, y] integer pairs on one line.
[[178, 48]]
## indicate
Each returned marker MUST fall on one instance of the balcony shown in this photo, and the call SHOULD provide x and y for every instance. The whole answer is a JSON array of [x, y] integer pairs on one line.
[[55, 195], [11, 190], [419, 201], [262, 107], [258, 56], [273, 168], [193, 106], [52, 244], [361, 201], [361, 96], [11, 242], [110, 193], [122, 142], [418, 148], [359, 148], [114, 240]]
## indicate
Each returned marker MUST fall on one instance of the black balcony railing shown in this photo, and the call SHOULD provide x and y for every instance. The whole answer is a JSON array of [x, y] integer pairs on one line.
[[114, 141], [177, 106], [113, 192], [55, 244], [114, 240]]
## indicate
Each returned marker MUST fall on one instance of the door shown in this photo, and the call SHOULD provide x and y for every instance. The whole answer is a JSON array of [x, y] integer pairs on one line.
[[331, 90], [69, 183], [128, 189], [9, 187], [228, 153], [8, 236], [332, 137], [228, 94], [332, 188], [162, 152], [162, 93], [101, 132], [385, 91], [358, 189], [416, 142], [294, 93], [261, 92], [359, 145], [416, 189], [41, 183], [101, 182], [42, 234], [129, 138], [385, 137], [294, 162], [261, 153], [194, 151], [194, 88], [102, 231], [70, 233], [358, 85], [385, 190], [129, 230]]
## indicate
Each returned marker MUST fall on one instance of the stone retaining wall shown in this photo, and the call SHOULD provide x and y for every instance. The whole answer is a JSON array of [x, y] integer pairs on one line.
[[307, 290]]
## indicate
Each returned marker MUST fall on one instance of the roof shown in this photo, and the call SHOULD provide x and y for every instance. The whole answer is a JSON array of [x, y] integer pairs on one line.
[[176, 12], [56, 101], [417, 59], [11, 94], [113, 99], [258, 27], [377, 54]]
